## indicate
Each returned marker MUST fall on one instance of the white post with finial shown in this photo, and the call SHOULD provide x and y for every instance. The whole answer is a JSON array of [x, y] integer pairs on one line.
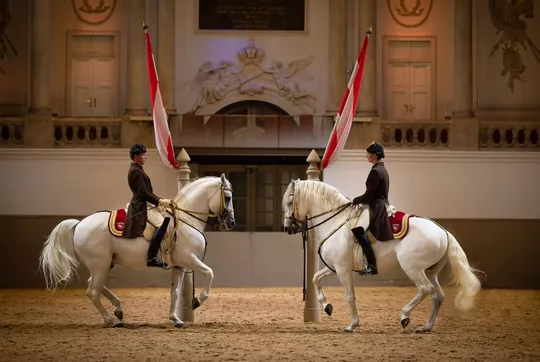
[[186, 311], [311, 304]]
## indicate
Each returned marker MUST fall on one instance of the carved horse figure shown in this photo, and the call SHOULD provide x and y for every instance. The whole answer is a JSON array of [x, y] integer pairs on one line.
[[421, 251], [92, 241]]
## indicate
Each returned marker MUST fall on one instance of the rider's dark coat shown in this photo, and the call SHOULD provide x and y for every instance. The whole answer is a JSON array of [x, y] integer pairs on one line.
[[140, 185], [376, 197]]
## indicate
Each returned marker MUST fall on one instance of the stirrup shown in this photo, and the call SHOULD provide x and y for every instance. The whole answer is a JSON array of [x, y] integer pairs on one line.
[[155, 262], [369, 270]]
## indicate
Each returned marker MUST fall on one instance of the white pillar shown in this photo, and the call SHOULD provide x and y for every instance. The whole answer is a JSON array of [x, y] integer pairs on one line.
[[367, 18], [311, 304], [40, 49], [165, 53], [337, 63], [186, 311], [462, 59], [137, 92]]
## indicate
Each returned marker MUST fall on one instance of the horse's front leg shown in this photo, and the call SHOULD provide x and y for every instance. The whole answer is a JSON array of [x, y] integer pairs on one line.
[[177, 278], [346, 279], [317, 281], [195, 264]]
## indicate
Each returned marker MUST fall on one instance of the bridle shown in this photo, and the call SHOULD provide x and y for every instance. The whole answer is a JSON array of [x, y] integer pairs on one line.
[[221, 216], [298, 225]]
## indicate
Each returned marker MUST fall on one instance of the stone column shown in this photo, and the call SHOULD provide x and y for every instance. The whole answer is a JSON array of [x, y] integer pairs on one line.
[[40, 45], [186, 312], [367, 18], [337, 77], [165, 53], [311, 304], [137, 90], [462, 59]]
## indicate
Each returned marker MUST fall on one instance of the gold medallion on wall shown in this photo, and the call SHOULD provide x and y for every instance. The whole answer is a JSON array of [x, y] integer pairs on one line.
[[93, 12], [410, 13]]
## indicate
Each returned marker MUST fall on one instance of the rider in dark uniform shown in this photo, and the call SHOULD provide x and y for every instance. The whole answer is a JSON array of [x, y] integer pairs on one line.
[[375, 201], [140, 209]]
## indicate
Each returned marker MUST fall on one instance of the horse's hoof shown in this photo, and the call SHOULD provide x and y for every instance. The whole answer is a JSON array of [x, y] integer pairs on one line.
[[348, 330], [329, 309], [179, 324], [196, 303], [423, 330], [405, 322], [118, 324], [119, 314]]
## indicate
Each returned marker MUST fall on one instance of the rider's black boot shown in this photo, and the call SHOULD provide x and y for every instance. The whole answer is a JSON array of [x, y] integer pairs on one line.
[[155, 243], [371, 268]]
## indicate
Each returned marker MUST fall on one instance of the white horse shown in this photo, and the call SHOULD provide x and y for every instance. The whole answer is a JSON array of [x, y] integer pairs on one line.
[[421, 254], [99, 250]]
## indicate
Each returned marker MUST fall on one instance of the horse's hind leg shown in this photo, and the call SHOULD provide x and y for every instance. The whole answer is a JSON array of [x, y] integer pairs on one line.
[[424, 289], [317, 281], [177, 277], [437, 297], [95, 288], [113, 298]]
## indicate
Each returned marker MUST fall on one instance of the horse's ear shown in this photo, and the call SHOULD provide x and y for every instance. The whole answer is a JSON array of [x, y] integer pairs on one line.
[[223, 179]]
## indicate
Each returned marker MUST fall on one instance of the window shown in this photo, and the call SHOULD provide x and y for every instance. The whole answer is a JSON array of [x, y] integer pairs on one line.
[[257, 193]]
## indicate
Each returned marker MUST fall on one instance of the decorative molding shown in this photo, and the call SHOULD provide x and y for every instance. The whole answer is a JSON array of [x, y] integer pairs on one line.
[[506, 17], [93, 15], [72, 154], [229, 82], [445, 156], [410, 14]]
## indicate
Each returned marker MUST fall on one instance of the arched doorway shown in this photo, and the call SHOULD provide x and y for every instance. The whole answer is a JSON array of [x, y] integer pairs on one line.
[[252, 108]]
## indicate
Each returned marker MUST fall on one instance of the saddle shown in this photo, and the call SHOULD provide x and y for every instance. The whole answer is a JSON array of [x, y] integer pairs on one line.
[[117, 221], [399, 222]]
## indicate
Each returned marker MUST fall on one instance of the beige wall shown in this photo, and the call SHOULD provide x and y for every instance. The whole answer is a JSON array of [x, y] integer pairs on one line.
[[493, 95], [473, 194]]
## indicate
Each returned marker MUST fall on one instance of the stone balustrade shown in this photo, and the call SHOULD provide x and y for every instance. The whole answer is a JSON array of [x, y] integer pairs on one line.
[[508, 136], [399, 134], [12, 132], [87, 133]]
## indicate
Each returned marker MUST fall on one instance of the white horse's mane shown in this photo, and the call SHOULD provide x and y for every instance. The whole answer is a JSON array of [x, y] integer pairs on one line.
[[186, 193], [326, 195]]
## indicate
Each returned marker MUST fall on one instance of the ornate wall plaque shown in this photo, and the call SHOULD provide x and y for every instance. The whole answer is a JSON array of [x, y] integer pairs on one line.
[[410, 13], [506, 16], [250, 15], [93, 12]]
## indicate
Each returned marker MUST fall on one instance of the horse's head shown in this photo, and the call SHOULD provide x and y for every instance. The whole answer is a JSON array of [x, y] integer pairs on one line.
[[293, 213], [221, 204]]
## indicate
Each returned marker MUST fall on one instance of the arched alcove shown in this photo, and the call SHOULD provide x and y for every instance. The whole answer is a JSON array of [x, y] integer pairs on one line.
[[253, 108]]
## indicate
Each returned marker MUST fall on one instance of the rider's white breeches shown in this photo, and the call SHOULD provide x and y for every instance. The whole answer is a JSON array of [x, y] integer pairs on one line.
[[363, 220], [154, 216]]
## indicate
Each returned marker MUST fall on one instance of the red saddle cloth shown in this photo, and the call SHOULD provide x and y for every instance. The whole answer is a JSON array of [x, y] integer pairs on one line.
[[117, 222], [400, 224]]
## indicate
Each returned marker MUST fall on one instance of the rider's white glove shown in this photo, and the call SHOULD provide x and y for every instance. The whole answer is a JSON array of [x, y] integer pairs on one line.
[[164, 202]]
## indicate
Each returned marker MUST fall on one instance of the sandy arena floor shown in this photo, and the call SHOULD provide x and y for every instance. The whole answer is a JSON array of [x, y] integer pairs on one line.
[[266, 325]]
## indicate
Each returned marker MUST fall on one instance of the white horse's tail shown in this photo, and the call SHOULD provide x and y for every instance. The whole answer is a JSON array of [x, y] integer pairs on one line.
[[464, 276], [58, 259]]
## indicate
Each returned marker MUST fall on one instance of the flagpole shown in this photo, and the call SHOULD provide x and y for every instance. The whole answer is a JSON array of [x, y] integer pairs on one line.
[[344, 118]]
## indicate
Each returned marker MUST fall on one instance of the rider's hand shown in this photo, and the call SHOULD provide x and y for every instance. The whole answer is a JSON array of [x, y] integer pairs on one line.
[[164, 202]]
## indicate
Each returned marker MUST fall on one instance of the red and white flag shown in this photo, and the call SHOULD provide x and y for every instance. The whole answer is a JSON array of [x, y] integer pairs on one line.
[[161, 128], [345, 116]]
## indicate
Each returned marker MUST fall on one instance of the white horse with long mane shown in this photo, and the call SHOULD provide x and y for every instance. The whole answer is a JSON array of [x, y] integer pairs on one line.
[[91, 241], [421, 253]]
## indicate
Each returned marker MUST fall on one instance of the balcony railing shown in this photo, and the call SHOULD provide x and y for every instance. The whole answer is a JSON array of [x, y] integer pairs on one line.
[[251, 131]]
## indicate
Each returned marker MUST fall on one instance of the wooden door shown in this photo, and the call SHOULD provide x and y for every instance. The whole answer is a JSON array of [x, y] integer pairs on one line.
[[409, 88], [420, 92], [93, 76]]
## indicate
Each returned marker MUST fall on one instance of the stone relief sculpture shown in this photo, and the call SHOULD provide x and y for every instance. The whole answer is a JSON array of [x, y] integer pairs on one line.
[[93, 15], [250, 77], [506, 17], [6, 45], [409, 13]]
